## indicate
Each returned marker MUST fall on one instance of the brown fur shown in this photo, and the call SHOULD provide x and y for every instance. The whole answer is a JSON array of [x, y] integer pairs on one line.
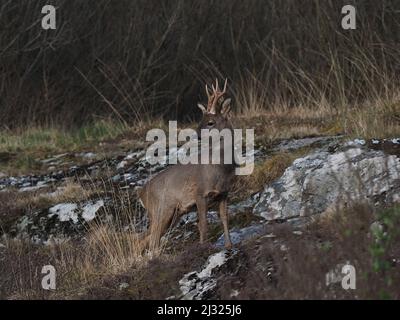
[[179, 188]]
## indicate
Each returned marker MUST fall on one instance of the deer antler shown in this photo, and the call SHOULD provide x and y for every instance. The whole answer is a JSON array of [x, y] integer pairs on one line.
[[214, 96]]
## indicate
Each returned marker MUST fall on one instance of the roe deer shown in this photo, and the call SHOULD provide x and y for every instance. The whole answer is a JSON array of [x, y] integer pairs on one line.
[[179, 188]]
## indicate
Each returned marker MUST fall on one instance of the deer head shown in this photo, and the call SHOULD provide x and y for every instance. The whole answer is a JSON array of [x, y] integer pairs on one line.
[[215, 116]]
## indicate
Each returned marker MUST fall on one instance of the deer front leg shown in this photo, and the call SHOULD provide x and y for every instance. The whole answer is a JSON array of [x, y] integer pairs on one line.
[[201, 204], [223, 214]]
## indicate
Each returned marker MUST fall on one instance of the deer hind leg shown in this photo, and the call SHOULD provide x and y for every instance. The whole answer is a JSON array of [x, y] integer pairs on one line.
[[157, 230], [159, 226], [144, 240], [155, 235], [150, 238], [201, 204], [144, 237], [223, 214]]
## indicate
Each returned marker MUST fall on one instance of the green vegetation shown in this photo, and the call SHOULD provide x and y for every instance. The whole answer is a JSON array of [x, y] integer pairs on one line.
[[21, 149], [55, 140]]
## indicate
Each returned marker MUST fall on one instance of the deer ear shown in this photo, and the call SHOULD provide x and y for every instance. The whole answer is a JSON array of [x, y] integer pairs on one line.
[[202, 107], [226, 107]]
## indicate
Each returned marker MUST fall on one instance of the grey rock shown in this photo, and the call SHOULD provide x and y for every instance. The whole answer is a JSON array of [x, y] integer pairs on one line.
[[319, 181], [239, 235], [87, 155], [295, 144], [196, 285], [122, 164], [243, 205], [116, 178], [123, 285], [55, 224]]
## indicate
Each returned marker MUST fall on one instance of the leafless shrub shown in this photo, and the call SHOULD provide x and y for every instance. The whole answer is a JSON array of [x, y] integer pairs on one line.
[[134, 59]]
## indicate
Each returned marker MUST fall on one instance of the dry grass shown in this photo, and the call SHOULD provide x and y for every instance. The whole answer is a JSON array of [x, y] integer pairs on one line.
[[10, 211], [111, 246], [110, 255], [379, 119], [87, 272], [54, 139], [22, 148], [294, 266], [66, 192], [77, 266]]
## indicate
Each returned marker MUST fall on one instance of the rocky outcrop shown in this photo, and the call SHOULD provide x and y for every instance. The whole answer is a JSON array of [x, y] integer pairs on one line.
[[199, 285], [329, 177], [58, 223], [333, 173], [295, 144], [239, 235], [336, 173]]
